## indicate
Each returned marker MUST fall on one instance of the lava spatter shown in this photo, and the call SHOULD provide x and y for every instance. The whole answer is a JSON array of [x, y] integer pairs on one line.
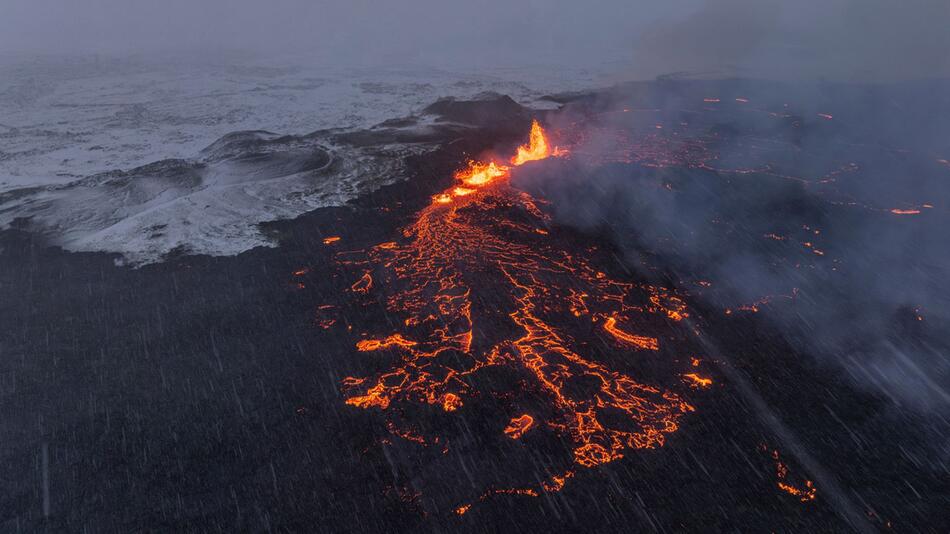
[[483, 238]]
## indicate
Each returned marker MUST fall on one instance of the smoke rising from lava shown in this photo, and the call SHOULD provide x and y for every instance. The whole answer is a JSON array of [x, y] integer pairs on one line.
[[804, 214]]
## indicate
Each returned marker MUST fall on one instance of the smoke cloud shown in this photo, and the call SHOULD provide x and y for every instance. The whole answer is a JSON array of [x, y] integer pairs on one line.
[[789, 212]]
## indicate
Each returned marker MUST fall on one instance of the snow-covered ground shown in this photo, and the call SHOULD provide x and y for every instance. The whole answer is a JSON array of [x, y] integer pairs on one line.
[[75, 134], [63, 119]]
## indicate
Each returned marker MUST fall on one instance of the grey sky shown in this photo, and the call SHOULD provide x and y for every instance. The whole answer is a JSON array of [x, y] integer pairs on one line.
[[845, 39]]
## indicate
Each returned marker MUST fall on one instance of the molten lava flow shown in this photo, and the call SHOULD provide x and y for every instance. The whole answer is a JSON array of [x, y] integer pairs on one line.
[[518, 426], [643, 342], [482, 173], [377, 344], [557, 482], [477, 259], [698, 381], [364, 284]]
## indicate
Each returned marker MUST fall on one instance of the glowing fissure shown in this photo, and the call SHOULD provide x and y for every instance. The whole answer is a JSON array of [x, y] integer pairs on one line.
[[805, 492], [465, 236], [648, 343], [518, 426]]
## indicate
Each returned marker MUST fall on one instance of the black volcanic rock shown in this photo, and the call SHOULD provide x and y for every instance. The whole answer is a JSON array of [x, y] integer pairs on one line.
[[487, 110]]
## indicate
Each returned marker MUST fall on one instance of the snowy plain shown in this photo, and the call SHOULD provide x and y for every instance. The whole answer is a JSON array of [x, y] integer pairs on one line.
[[105, 154]]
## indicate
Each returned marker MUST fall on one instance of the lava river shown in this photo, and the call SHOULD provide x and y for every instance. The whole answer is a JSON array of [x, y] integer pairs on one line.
[[476, 283]]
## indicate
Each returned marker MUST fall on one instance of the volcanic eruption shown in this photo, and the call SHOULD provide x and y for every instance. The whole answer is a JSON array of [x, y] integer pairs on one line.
[[478, 284]]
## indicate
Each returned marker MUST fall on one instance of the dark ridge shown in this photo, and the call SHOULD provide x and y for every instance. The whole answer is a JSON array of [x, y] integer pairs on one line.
[[488, 110], [403, 122], [236, 144]]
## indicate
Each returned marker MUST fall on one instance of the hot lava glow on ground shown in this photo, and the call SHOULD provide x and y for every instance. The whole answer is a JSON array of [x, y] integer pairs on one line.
[[482, 232]]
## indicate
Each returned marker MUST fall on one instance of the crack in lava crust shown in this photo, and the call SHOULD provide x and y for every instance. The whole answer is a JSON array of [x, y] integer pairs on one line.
[[460, 250]]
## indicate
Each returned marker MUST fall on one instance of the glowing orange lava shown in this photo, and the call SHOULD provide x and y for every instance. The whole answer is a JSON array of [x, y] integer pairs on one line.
[[451, 402], [643, 342], [698, 381], [537, 147], [377, 344], [518, 426], [481, 173], [364, 284], [464, 248]]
